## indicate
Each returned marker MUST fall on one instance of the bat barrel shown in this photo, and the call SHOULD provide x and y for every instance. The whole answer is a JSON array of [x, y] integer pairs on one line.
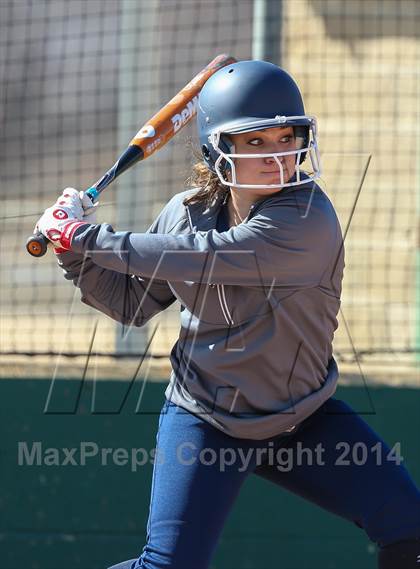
[[178, 111]]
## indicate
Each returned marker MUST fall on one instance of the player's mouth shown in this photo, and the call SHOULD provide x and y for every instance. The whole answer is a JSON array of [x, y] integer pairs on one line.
[[275, 173]]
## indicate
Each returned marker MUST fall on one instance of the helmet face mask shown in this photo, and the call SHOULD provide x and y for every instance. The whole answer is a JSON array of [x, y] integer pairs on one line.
[[306, 147], [250, 96]]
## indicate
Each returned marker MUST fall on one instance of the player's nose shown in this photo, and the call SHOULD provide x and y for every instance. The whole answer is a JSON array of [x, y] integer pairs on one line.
[[270, 160]]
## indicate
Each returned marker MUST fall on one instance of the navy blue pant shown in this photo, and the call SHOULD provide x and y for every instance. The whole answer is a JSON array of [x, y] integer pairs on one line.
[[333, 459]]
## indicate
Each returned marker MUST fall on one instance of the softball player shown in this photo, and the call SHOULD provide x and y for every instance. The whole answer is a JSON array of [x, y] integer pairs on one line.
[[254, 254]]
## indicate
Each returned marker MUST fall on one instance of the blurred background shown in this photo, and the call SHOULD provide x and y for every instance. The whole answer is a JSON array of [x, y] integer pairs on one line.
[[78, 80]]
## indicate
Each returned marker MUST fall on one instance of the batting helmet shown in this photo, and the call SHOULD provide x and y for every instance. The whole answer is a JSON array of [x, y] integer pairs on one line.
[[248, 96]]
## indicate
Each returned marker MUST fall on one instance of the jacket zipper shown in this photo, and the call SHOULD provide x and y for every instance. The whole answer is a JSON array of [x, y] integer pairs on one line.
[[221, 290], [223, 304]]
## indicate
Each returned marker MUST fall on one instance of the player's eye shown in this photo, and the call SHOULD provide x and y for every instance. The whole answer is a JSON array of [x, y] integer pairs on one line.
[[257, 141]]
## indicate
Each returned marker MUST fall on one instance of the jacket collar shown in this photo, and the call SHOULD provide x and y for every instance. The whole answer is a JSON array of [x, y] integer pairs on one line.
[[203, 218]]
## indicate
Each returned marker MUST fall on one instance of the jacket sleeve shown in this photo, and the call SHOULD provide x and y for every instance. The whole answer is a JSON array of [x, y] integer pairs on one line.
[[127, 298], [278, 246]]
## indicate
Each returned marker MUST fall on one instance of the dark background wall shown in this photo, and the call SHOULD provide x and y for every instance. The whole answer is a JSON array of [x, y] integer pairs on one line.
[[88, 517]]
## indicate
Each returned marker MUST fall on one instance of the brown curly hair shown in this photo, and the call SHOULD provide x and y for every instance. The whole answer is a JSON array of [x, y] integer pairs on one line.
[[208, 183]]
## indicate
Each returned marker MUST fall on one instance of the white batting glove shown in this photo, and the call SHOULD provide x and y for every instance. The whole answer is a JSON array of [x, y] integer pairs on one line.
[[89, 208], [59, 222], [72, 199]]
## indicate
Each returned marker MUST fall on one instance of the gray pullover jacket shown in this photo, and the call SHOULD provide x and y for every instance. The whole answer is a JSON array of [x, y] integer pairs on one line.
[[258, 303]]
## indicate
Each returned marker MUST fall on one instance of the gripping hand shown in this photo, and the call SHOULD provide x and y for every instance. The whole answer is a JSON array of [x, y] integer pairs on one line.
[[59, 222]]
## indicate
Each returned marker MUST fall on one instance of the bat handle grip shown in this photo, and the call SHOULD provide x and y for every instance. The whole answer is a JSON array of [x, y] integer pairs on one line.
[[37, 245]]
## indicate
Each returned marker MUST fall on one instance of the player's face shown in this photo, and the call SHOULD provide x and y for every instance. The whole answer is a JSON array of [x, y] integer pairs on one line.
[[264, 171]]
